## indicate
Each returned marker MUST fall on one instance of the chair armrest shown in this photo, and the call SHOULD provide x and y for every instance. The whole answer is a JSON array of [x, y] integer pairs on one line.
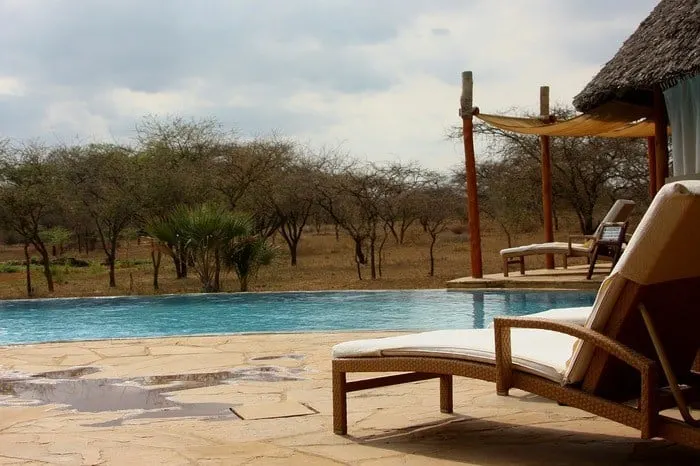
[[648, 403], [502, 326], [579, 239]]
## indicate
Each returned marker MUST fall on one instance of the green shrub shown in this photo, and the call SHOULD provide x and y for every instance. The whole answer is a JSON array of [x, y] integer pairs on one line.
[[10, 268]]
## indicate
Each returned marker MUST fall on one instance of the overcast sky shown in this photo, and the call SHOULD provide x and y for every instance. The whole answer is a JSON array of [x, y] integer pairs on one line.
[[380, 77]]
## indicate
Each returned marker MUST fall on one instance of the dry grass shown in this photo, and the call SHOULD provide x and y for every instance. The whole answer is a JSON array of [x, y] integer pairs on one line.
[[324, 264]]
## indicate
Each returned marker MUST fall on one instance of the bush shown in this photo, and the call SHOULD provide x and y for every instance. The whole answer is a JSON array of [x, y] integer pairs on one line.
[[70, 262], [10, 268]]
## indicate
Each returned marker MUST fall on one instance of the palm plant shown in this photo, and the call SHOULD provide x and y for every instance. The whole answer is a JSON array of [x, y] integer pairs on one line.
[[210, 229], [208, 236], [246, 256]]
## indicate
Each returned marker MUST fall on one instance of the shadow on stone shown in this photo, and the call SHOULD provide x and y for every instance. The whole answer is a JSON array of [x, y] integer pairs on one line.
[[486, 442]]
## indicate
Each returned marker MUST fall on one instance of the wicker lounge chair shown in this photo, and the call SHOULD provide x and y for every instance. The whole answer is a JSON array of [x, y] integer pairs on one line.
[[577, 246], [632, 359]]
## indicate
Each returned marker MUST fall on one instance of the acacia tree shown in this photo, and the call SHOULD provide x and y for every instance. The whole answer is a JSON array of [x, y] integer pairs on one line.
[[177, 163], [239, 167], [351, 198], [439, 203], [398, 207], [30, 199], [507, 196], [290, 195], [106, 183]]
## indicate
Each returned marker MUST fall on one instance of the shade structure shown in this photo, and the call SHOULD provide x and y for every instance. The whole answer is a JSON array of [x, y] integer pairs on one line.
[[663, 50], [611, 120]]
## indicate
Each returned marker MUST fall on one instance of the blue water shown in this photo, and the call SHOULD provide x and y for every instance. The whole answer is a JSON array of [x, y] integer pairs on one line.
[[30, 321]]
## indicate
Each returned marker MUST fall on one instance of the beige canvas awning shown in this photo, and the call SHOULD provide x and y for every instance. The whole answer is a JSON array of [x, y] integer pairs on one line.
[[612, 120]]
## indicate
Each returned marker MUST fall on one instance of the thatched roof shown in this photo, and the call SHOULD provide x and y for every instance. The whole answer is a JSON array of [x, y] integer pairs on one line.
[[664, 48]]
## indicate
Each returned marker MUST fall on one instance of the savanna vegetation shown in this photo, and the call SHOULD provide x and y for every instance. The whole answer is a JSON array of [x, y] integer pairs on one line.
[[190, 206]]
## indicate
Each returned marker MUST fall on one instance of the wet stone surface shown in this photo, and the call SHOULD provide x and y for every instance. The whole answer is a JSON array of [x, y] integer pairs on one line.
[[148, 396]]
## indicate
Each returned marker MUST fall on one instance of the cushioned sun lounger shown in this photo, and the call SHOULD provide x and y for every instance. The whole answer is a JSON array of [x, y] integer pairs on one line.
[[632, 359], [618, 213]]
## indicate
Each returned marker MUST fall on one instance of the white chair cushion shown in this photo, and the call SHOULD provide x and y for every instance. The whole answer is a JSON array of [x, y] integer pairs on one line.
[[556, 247], [569, 315], [540, 352]]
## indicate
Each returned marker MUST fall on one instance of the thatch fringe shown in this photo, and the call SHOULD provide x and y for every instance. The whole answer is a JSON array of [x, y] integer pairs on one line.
[[664, 50]]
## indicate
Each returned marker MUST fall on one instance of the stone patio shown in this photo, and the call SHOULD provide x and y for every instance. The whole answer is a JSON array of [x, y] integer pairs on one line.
[[266, 400]]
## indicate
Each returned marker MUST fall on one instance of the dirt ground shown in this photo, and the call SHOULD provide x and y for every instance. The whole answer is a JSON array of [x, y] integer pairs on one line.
[[324, 263]]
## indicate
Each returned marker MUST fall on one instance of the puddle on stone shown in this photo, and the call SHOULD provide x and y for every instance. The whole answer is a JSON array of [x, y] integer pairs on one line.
[[148, 395], [296, 357]]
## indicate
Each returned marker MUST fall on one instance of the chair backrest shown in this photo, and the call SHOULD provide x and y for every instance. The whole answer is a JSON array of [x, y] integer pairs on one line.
[[661, 269], [618, 213]]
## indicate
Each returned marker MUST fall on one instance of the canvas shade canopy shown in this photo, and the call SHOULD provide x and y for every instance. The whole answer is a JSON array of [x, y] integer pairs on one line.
[[611, 120]]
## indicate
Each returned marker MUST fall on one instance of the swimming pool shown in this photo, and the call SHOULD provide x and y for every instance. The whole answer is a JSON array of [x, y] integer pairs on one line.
[[31, 321]]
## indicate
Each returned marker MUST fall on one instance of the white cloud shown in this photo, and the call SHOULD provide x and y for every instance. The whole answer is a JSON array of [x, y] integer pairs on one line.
[[71, 121], [11, 86]]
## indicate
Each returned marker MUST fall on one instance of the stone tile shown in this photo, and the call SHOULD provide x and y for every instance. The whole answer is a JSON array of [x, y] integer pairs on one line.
[[181, 349], [280, 409]]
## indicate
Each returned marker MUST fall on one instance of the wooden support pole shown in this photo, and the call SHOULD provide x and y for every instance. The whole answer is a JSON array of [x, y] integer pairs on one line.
[[661, 137], [466, 112], [546, 178], [651, 161]]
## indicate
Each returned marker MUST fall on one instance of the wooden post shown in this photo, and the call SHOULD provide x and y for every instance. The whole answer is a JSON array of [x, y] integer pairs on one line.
[[546, 178], [466, 112], [661, 136], [651, 161]]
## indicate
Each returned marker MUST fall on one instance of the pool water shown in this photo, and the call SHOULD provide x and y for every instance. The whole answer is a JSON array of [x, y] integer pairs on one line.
[[32, 321]]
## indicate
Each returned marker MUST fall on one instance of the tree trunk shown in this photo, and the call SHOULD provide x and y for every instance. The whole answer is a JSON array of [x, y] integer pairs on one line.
[[178, 266], [28, 269], [372, 266], [155, 258], [398, 239], [244, 283], [112, 276], [380, 252], [337, 232], [47, 268], [433, 236], [293, 253], [183, 264], [403, 229], [292, 238], [359, 255], [217, 271]]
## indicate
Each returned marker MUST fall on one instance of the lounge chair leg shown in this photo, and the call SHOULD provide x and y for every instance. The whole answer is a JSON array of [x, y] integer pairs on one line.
[[446, 394], [566, 263], [505, 266], [340, 404], [504, 370], [522, 265]]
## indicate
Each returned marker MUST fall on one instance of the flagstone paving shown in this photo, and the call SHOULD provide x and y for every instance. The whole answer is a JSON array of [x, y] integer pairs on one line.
[[266, 400]]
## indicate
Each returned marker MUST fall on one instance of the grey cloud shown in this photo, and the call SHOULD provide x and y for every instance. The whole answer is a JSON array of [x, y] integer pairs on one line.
[[77, 50], [150, 46]]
